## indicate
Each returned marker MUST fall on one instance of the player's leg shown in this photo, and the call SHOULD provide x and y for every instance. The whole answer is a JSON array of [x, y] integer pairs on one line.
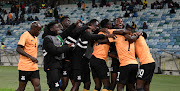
[[120, 87], [36, 84], [77, 77], [53, 79], [122, 77], [35, 80], [133, 68], [64, 81], [140, 85], [147, 86], [113, 81], [22, 86], [23, 79], [149, 68], [97, 81], [65, 75], [86, 74], [103, 74], [106, 84], [115, 65], [76, 86], [98, 84], [145, 75]]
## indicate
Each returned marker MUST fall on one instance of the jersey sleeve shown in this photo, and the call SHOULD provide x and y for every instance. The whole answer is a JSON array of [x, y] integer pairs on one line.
[[22, 39]]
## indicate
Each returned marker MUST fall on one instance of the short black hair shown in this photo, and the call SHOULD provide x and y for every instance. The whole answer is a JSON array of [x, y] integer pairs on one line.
[[63, 18], [50, 25], [104, 23], [92, 21]]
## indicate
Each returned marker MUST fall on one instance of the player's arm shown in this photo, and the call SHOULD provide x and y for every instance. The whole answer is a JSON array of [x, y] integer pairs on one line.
[[132, 38], [52, 49], [89, 36], [20, 50], [112, 55], [103, 41], [67, 32], [79, 31], [121, 32]]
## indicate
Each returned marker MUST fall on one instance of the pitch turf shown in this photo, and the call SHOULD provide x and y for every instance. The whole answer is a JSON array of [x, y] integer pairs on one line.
[[9, 81]]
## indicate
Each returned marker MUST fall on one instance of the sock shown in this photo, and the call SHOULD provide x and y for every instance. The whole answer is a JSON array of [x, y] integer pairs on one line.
[[140, 89], [85, 89], [104, 89]]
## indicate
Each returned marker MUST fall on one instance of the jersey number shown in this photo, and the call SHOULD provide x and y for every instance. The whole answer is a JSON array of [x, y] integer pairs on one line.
[[118, 76], [141, 73]]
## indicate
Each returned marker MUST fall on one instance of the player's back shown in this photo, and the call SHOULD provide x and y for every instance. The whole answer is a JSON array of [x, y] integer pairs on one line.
[[126, 51], [142, 51]]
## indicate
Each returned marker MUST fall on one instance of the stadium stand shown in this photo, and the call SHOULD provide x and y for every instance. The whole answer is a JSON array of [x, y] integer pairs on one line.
[[163, 30]]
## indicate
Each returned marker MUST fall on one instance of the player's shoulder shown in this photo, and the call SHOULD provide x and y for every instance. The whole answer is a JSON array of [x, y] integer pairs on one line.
[[26, 33]]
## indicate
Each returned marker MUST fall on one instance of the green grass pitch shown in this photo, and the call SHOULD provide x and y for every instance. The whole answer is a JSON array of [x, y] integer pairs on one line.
[[9, 81]]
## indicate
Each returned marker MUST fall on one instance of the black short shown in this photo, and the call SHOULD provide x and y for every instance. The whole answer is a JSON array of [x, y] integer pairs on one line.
[[66, 70], [115, 65], [146, 72], [82, 74], [99, 68], [28, 75], [76, 68], [127, 74], [53, 78], [86, 70]]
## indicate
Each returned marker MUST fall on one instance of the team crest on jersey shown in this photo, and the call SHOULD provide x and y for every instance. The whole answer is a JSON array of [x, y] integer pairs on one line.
[[64, 72], [56, 84], [78, 77], [22, 77]]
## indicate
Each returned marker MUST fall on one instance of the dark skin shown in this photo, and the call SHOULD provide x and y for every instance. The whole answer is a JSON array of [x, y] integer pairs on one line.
[[65, 80], [98, 81], [66, 23], [131, 38], [94, 26], [76, 85], [35, 31], [142, 83]]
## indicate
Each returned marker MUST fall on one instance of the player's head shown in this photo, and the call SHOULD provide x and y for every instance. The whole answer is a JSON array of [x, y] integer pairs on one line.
[[36, 28], [65, 21], [94, 23], [106, 24], [118, 22], [53, 28]]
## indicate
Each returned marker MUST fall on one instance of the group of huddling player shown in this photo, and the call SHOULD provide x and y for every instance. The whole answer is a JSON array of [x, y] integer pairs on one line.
[[71, 50]]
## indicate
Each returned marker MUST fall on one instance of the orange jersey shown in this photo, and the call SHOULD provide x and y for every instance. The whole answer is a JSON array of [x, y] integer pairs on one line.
[[142, 51], [125, 52], [101, 50], [30, 47]]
